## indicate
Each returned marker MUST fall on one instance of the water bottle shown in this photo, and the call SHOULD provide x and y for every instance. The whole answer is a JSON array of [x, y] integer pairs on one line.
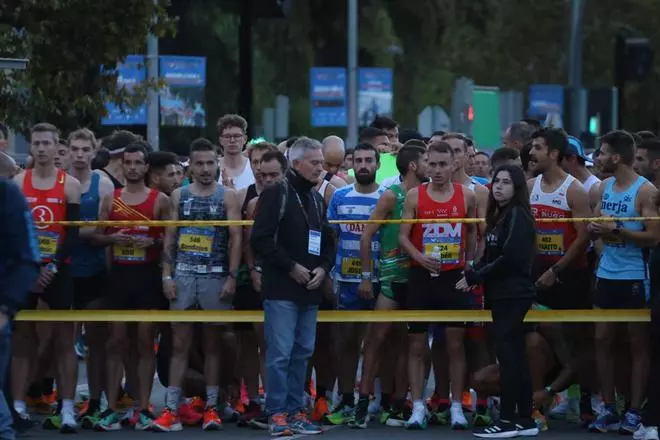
[[436, 255]]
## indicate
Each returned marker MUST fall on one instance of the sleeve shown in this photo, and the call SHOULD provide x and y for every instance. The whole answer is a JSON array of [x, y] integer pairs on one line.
[[328, 244], [517, 250], [265, 227], [20, 245]]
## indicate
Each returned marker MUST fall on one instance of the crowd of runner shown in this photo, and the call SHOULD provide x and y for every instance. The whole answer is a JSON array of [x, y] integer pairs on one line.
[[596, 375]]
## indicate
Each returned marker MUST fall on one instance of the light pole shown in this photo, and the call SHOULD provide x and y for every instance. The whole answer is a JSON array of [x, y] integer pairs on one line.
[[352, 115]]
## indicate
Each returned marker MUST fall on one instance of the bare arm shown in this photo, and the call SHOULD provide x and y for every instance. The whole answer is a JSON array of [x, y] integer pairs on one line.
[[233, 209], [471, 228], [578, 201], [481, 193], [337, 182], [383, 208], [649, 236], [409, 212], [247, 233], [106, 194]]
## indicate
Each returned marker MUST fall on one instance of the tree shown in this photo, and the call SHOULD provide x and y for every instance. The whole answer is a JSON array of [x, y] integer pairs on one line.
[[73, 47]]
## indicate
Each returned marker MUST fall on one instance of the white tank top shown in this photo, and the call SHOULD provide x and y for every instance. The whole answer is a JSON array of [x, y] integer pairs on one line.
[[243, 180], [591, 181], [556, 199], [323, 187]]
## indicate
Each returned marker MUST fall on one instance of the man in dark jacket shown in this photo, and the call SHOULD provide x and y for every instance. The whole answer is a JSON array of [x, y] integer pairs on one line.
[[292, 238], [19, 269]]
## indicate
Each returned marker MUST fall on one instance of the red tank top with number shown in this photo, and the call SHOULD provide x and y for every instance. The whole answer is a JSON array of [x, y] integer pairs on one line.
[[553, 239], [444, 241], [146, 210], [47, 205]]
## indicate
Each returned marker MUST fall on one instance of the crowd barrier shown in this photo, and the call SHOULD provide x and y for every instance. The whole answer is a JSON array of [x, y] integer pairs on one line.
[[591, 315]]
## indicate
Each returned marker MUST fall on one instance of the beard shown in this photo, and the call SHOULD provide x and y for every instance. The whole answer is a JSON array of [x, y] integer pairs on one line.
[[365, 179]]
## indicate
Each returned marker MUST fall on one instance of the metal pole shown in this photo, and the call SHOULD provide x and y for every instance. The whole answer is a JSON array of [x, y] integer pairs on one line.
[[153, 108], [352, 135], [575, 66]]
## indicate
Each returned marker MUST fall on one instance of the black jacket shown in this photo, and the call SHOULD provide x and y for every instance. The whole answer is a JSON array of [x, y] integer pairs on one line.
[[505, 270], [278, 244]]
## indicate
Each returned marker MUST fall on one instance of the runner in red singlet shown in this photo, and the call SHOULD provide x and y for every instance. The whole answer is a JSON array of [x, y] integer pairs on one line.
[[52, 195], [439, 253], [135, 254]]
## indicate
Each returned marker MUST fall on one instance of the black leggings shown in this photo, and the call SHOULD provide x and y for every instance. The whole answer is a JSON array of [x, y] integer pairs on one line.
[[515, 379]]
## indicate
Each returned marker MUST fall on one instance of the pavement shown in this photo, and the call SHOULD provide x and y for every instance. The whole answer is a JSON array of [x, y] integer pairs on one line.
[[558, 430]]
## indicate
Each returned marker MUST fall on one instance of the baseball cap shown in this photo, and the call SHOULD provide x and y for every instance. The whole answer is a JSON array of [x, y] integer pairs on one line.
[[575, 148]]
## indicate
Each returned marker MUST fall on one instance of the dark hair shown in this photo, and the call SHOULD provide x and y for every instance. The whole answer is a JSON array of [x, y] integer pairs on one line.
[[408, 154], [504, 153], [652, 146], [383, 123], [101, 159], [3, 131], [409, 135], [524, 156], [522, 131], [366, 146], [536, 124], [275, 155], [438, 133], [520, 197], [201, 144], [230, 121], [46, 127], [461, 137], [441, 147], [137, 147], [292, 140], [556, 139], [415, 142], [370, 133], [159, 160], [119, 139], [622, 143], [349, 153], [646, 134], [260, 146]]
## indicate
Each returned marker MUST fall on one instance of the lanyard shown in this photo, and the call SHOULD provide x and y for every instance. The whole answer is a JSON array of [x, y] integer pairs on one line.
[[302, 208]]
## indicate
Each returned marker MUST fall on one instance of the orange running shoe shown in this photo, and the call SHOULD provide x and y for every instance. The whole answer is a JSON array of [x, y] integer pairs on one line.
[[51, 398], [212, 421], [188, 415], [197, 403], [321, 408], [167, 422], [43, 407]]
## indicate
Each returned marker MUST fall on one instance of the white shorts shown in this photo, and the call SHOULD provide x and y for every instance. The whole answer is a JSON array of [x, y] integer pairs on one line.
[[195, 291]]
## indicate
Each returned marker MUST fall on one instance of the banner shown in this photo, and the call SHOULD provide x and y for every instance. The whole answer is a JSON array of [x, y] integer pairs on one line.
[[545, 99], [327, 91], [131, 72], [375, 94], [182, 98]]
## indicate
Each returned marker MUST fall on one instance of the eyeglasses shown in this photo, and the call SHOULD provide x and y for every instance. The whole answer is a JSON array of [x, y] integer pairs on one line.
[[232, 137]]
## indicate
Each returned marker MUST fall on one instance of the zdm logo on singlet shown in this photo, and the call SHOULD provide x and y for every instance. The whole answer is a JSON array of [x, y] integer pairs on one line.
[[443, 241]]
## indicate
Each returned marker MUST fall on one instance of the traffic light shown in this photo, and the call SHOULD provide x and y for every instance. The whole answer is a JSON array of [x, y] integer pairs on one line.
[[594, 125], [634, 58]]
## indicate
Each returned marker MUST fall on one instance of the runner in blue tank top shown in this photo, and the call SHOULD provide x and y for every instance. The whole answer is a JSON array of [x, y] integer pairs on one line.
[[622, 274]]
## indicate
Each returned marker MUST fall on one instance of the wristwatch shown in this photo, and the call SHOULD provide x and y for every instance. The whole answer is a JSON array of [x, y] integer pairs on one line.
[[366, 276]]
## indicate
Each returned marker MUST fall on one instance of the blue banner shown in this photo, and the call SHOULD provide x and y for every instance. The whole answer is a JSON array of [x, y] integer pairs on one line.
[[182, 99], [327, 91], [545, 99], [131, 72], [375, 93]]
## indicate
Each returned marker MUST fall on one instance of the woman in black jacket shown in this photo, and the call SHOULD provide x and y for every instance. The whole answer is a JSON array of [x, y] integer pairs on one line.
[[505, 271]]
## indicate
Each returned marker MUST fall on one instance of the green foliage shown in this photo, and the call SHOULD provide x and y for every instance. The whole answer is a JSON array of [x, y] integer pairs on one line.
[[67, 42]]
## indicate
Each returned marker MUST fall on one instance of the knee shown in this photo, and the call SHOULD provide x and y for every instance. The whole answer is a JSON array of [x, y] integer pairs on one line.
[[455, 347], [603, 337], [24, 343], [117, 345]]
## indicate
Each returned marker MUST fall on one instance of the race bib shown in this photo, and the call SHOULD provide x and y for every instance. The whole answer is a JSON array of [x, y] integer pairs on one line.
[[197, 242], [447, 253], [550, 242], [442, 241], [129, 253], [47, 243]]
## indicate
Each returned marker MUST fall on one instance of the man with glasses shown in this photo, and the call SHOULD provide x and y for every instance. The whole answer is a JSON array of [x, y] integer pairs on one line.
[[236, 170]]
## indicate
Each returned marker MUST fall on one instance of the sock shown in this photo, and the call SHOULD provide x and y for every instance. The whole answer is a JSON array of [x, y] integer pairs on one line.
[[172, 398], [456, 404], [320, 392], [385, 400], [418, 405], [212, 396], [443, 405], [19, 406], [348, 399], [47, 386], [67, 406]]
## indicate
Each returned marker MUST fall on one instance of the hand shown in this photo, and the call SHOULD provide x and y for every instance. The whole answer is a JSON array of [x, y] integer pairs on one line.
[[366, 290], [318, 276], [169, 289], [226, 180], [43, 280], [462, 284], [300, 274], [429, 263], [256, 280], [142, 242], [601, 228], [229, 289], [121, 239], [546, 280]]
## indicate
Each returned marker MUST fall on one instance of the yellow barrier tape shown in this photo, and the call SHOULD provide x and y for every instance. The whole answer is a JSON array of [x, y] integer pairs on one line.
[[330, 316], [166, 223]]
